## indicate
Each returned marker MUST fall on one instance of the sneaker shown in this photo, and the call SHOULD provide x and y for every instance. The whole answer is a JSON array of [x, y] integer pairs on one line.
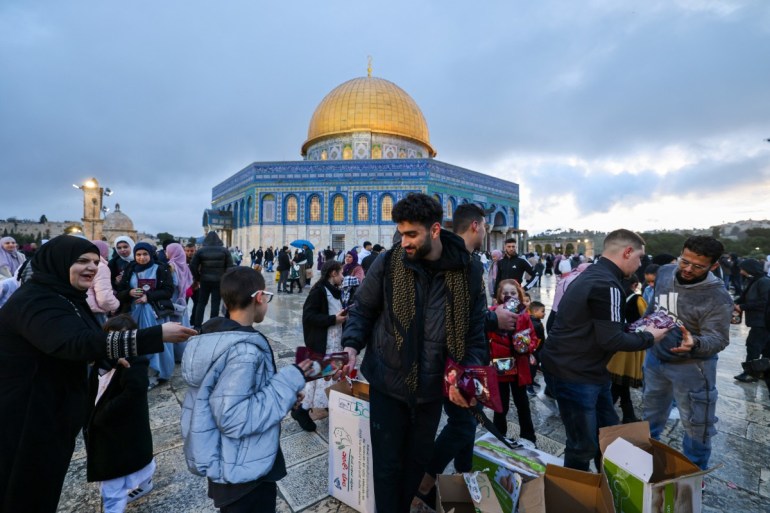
[[745, 378], [531, 391], [302, 416], [140, 491]]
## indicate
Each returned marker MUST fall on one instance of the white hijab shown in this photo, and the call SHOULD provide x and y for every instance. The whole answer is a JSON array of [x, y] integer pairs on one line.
[[128, 240]]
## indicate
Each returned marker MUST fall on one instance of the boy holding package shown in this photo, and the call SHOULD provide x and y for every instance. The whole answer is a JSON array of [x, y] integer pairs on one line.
[[231, 417]]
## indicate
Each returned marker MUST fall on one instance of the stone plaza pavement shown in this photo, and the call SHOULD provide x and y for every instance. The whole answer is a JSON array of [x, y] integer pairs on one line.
[[741, 449]]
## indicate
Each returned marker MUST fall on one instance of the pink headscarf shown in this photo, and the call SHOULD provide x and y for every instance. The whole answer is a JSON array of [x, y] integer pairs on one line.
[[566, 279], [104, 248], [176, 256]]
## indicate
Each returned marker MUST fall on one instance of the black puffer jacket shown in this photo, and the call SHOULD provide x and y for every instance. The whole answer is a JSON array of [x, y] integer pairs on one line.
[[164, 288], [754, 299], [370, 324], [284, 261], [211, 261]]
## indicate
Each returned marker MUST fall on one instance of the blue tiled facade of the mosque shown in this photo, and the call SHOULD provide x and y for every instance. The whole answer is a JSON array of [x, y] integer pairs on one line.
[[272, 201]]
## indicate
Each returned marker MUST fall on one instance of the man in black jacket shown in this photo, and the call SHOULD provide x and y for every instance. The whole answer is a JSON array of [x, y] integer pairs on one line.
[[753, 304], [587, 332], [284, 264], [422, 302], [367, 262], [512, 266], [208, 265]]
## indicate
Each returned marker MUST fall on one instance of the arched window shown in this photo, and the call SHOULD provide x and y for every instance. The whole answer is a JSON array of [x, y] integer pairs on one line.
[[437, 198], [362, 208], [314, 209], [292, 210], [386, 207], [268, 208], [236, 217], [338, 209], [449, 207], [249, 211]]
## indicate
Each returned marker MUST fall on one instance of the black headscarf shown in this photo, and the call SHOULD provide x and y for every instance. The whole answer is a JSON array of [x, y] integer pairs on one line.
[[51, 265], [149, 249]]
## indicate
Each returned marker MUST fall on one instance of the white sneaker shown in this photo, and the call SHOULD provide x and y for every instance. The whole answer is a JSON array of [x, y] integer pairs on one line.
[[140, 491]]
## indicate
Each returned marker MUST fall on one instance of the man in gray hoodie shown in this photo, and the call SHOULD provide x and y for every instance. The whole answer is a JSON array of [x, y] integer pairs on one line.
[[683, 365]]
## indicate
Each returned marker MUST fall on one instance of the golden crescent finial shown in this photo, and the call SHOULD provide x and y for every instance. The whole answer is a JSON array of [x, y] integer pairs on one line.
[[369, 67]]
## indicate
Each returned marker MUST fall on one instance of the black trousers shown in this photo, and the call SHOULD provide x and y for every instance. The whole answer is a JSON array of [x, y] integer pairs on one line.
[[402, 445], [208, 289], [521, 400], [757, 343], [260, 500], [455, 441]]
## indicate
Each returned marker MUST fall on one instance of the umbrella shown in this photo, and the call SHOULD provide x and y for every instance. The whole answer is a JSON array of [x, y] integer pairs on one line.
[[302, 242]]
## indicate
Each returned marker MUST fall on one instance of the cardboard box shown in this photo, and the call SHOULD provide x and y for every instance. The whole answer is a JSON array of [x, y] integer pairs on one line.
[[350, 446], [500, 463], [648, 476], [566, 490], [452, 495]]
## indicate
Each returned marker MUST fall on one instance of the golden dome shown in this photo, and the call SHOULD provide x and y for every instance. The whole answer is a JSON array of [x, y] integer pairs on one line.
[[368, 104]]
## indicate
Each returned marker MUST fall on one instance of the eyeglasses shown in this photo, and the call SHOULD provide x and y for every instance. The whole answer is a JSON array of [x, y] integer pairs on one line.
[[686, 263], [269, 295]]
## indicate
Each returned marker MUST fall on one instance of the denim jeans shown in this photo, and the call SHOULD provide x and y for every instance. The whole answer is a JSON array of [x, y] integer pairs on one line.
[[584, 408], [402, 445], [455, 441], [693, 386]]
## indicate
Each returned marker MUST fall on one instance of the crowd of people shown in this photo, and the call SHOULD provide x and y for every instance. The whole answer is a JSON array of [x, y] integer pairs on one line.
[[86, 330]]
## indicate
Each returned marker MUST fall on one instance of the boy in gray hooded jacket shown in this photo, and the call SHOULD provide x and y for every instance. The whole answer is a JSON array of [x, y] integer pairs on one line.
[[231, 415], [683, 365]]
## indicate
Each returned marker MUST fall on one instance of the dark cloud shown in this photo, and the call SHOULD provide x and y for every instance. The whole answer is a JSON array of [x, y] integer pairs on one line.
[[163, 100]]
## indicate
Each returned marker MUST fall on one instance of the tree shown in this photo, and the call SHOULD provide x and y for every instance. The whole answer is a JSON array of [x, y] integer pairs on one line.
[[43, 219], [165, 236]]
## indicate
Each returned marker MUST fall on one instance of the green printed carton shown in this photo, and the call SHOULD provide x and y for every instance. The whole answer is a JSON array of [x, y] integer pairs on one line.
[[502, 465], [647, 476]]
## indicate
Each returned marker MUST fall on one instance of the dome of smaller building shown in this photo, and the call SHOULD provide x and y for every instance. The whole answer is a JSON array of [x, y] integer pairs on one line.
[[117, 221]]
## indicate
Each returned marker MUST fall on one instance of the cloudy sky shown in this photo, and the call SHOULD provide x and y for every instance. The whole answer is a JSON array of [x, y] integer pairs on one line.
[[636, 113]]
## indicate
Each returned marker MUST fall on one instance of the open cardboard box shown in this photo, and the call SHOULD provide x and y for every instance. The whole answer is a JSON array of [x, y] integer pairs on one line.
[[648, 476], [452, 495], [500, 462], [566, 490], [350, 449]]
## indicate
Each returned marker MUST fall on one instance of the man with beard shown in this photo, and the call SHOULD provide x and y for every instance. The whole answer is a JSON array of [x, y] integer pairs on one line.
[[421, 302], [588, 331], [455, 442], [683, 367], [512, 266]]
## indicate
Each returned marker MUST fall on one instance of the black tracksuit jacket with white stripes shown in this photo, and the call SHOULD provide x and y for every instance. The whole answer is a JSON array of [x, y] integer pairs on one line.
[[589, 327]]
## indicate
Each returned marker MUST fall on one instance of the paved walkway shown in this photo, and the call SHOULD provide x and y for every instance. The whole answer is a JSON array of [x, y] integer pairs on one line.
[[742, 447]]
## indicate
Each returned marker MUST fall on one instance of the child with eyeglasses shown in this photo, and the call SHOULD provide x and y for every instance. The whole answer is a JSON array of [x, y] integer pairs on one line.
[[231, 416]]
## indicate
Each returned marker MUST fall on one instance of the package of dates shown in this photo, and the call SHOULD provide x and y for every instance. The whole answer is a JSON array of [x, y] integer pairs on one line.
[[474, 382], [324, 365], [658, 319]]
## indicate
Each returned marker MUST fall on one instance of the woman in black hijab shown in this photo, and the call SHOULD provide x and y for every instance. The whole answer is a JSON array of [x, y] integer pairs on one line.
[[47, 336]]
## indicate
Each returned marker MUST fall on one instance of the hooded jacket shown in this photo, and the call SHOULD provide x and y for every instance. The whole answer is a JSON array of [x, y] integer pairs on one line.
[[753, 300], [704, 308], [101, 296], [232, 412], [370, 323], [211, 261]]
